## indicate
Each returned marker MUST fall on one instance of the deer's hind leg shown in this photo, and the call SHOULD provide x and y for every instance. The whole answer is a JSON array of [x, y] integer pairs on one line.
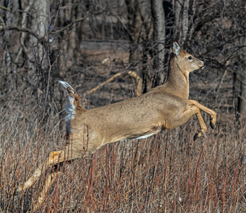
[[54, 158], [48, 183]]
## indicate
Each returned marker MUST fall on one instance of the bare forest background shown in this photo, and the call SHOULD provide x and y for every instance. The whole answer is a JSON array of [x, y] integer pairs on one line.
[[110, 51]]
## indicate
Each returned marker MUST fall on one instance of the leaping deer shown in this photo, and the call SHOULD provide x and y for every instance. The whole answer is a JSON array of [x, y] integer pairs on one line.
[[164, 107]]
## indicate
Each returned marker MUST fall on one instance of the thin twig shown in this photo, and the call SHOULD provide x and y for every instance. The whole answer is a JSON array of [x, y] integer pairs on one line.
[[22, 30], [218, 89], [124, 26], [69, 25]]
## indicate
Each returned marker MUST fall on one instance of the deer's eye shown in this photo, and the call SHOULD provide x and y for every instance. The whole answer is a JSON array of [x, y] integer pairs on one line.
[[190, 58]]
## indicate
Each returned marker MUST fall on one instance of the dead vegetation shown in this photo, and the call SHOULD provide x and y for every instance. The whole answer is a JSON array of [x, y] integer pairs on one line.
[[164, 173], [167, 172]]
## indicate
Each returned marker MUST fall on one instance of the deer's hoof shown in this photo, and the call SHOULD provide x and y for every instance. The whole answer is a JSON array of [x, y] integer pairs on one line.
[[18, 189], [197, 135], [16, 192], [212, 124]]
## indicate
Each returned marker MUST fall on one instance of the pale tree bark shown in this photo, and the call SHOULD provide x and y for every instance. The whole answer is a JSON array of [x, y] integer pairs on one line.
[[39, 66], [185, 20], [181, 9], [159, 39], [70, 16], [177, 5], [40, 20]]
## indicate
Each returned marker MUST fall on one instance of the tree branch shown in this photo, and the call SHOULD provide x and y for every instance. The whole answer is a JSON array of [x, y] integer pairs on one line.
[[69, 25], [22, 30], [133, 74]]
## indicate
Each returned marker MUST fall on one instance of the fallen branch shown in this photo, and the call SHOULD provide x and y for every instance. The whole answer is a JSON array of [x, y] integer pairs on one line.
[[102, 84], [138, 80]]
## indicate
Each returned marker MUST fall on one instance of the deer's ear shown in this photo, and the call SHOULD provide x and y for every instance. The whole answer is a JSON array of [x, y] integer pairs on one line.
[[176, 48]]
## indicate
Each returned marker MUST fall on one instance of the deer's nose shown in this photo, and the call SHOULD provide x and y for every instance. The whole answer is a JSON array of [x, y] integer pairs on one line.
[[202, 64]]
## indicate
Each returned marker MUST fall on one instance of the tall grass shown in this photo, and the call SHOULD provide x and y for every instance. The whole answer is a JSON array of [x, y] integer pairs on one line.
[[168, 172]]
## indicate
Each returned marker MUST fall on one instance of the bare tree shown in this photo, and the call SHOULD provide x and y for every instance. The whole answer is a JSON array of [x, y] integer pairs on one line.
[[31, 61], [159, 39], [240, 83]]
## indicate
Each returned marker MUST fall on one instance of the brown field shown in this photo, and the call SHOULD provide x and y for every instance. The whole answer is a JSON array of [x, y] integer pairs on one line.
[[168, 172]]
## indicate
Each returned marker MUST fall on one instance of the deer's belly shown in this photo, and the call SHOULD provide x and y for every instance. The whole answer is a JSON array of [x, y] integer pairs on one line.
[[153, 132], [145, 136]]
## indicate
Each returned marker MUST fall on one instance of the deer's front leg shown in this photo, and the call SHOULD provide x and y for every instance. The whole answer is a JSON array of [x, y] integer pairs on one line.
[[202, 125], [203, 128], [210, 112], [186, 115]]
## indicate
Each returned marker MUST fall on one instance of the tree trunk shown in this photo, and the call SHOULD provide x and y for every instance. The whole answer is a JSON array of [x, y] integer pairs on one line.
[[72, 33], [145, 13], [39, 51], [177, 9], [242, 103], [40, 25], [185, 21], [239, 86], [159, 40], [133, 27], [139, 29]]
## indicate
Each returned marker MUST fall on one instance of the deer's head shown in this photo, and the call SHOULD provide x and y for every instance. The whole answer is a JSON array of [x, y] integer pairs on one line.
[[184, 60]]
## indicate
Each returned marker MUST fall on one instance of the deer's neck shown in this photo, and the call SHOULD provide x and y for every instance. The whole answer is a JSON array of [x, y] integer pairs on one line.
[[178, 82]]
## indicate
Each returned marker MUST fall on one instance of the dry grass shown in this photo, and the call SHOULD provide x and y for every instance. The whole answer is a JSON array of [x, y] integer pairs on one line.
[[164, 173]]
